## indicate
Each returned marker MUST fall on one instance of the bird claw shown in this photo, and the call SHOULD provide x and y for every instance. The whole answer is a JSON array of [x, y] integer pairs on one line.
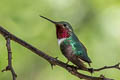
[[89, 64]]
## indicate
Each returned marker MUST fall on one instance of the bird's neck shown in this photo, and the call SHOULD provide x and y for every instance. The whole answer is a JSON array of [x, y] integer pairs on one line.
[[62, 33], [63, 38]]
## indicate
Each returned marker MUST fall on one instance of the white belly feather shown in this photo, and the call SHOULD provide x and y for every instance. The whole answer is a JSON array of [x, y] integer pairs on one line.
[[61, 40]]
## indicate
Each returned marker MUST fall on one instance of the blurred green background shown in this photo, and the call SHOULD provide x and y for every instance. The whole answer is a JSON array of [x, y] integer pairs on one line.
[[95, 22]]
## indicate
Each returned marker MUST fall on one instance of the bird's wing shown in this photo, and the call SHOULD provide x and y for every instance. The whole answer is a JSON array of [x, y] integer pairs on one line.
[[68, 53], [80, 49], [81, 52]]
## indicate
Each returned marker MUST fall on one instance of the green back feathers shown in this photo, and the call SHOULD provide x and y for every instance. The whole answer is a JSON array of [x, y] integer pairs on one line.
[[77, 47]]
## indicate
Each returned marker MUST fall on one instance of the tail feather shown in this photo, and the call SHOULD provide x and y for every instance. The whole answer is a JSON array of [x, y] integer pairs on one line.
[[79, 63], [89, 64]]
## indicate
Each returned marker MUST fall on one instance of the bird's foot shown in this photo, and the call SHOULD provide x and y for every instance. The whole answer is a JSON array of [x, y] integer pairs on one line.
[[72, 66], [89, 64]]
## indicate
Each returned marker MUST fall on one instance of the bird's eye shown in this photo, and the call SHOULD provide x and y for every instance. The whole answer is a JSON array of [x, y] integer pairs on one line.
[[64, 25]]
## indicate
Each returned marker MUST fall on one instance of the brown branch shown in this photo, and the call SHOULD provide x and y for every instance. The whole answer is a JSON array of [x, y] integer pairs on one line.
[[116, 66], [9, 67], [51, 60]]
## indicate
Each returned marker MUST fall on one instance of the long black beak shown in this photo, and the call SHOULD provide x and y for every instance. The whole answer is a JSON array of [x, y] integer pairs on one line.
[[49, 19]]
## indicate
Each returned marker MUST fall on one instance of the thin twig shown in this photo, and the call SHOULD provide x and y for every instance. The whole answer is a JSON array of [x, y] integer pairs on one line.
[[9, 67], [51, 60], [116, 66]]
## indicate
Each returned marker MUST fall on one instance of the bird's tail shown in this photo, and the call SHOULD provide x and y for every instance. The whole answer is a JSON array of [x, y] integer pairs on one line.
[[80, 64]]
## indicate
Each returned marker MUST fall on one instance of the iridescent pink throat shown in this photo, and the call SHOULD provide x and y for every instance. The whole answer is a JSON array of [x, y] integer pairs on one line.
[[62, 32]]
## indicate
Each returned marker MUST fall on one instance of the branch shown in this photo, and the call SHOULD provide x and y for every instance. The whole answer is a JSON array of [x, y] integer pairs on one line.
[[9, 67], [51, 60], [116, 66]]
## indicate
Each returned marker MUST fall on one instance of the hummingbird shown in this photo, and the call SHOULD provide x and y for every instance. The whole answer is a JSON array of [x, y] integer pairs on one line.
[[70, 45]]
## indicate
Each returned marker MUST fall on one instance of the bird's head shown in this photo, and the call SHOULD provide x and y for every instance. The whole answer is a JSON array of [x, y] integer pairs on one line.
[[63, 29]]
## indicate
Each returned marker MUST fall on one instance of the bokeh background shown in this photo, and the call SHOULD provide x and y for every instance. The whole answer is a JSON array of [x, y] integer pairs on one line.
[[95, 22]]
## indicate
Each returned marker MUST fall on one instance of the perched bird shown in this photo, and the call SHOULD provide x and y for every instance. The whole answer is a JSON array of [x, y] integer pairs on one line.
[[70, 45]]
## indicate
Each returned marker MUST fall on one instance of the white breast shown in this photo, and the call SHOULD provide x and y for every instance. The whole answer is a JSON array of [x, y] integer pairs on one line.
[[61, 40]]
